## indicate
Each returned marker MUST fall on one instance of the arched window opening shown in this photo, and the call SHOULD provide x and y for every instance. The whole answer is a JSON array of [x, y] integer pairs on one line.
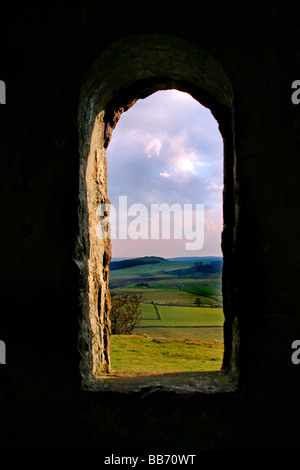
[[129, 70], [165, 184]]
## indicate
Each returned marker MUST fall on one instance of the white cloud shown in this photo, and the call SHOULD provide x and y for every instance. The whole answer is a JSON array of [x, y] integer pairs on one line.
[[153, 146], [185, 158], [165, 174], [167, 149], [186, 164], [215, 187]]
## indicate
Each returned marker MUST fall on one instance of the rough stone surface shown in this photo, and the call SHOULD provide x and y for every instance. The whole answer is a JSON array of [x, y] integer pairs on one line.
[[130, 69], [63, 99]]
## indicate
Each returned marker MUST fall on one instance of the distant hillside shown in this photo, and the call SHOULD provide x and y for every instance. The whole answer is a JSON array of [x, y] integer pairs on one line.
[[132, 262], [154, 265], [197, 259], [211, 267], [179, 281]]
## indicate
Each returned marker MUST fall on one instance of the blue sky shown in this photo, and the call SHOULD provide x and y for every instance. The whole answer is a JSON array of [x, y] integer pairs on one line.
[[167, 149]]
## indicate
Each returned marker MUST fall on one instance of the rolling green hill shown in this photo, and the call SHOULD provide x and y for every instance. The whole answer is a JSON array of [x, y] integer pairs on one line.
[[171, 282], [131, 271], [182, 301]]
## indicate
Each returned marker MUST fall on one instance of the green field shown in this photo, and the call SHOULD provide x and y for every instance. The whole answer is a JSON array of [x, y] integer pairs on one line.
[[182, 305], [181, 322], [164, 355], [181, 316]]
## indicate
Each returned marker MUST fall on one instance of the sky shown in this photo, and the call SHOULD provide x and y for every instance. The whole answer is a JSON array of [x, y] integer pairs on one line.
[[166, 152]]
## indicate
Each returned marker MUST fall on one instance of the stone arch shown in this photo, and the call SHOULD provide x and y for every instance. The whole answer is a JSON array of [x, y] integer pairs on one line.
[[131, 69]]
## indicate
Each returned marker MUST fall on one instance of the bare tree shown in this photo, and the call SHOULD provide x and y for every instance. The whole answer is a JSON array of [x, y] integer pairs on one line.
[[125, 313]]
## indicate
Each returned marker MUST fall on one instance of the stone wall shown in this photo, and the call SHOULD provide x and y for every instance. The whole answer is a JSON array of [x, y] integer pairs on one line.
[[131, 69], [58, 118]]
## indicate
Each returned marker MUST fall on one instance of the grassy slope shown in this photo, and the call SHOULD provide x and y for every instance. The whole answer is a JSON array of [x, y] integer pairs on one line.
[[143, 271], [166, 342], [164, 355], [159, 283], [182, 322], [185, 316]]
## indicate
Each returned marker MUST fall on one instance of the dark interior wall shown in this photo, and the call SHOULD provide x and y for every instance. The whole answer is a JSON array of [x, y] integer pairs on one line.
[[46, 53]]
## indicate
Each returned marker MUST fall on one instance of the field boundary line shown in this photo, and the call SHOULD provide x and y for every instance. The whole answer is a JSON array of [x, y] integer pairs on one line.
[[156, 309]]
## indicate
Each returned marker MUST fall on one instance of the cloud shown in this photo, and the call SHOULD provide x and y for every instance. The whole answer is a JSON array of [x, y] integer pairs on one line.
[[153, 146], [186, 164], [168, 149], [215, 187], [165, 174]]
